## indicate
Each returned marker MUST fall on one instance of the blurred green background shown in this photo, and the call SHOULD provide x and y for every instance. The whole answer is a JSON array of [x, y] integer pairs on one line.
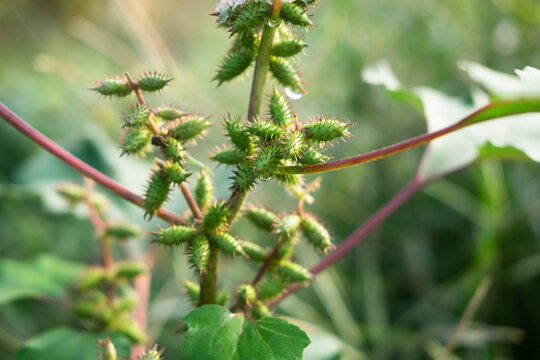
[[401, 293]]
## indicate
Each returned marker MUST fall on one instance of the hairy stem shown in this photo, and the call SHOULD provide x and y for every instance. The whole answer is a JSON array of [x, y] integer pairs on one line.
[[360, 234], [80, 165]]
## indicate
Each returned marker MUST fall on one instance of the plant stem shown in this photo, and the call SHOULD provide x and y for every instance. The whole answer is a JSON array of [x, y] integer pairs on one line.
[[266, 264], [372, 155], [80, 165], [360, 234], [140, 316], [197, 214], [100, 227]]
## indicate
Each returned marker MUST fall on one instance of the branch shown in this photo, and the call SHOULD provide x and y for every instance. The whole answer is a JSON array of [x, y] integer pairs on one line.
[[494, 110], [360, 234], [80, 165]]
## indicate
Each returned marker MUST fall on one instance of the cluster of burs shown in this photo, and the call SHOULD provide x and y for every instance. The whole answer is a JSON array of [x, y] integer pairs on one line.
[[256, 149]]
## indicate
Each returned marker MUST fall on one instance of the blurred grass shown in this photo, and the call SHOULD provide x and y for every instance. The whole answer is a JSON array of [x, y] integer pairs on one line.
[[397, 295]]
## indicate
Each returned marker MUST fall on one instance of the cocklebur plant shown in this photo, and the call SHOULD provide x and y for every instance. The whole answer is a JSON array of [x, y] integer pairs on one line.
[[270, 143]]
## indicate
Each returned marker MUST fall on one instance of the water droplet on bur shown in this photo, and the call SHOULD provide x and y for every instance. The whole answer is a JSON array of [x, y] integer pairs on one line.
[[266, 179], [293, 95], [147, 216], [274, 23]]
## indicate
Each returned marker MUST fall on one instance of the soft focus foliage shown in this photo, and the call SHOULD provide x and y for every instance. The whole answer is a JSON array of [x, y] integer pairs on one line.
[[397, 296]]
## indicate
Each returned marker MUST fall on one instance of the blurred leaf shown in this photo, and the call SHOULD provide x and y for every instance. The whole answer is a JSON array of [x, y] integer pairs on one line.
[[69, 344], [513, 131], [215, 333], [525, 84], [507, 137], [45, 275]]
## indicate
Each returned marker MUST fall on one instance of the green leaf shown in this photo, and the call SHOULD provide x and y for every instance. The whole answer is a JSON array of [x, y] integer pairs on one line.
[[45, 275], [69, 344], [216, 333]]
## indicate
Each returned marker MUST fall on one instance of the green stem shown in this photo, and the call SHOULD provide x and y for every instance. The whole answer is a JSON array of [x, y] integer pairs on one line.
[[208, 294]]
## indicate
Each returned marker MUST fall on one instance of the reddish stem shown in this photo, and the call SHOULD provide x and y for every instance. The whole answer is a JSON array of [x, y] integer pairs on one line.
[[191, 201], [360, 234], [266, 264], [142, 287], [80, 165]]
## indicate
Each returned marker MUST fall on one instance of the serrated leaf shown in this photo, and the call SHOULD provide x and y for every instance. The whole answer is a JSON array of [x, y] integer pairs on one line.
[[45, 275], [69, 344], [216, 333]]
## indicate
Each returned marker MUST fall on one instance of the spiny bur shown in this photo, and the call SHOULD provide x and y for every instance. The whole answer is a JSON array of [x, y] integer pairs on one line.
[[234, 65], [129, 269], [107, 350], [254, 252], [190, 128], [175, 235], [262, 218], [259, 310], [198, 253], [285, 73], [288, 47], [113, 87], [265, 130], [170, 113], [157, 192], [246, 295], [294, 15], [238, 136], [151, 354], [122, 231], [270, 289], [153, 82], [293, 272], [136, 116], [228, 156], [228, 244], [316, 234], [325, 129], [204, 189], [215, 218], [279, 109]]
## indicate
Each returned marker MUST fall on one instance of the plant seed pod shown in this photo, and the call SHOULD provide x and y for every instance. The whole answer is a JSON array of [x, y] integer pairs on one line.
[[113, 87], [238, 136], [108, 352], [173, 150], [267, 160], [294, 15], [316, 234], [157, 192], [228, 244], [228, 156], [292, 272], [254, 252], [259, 310], [292, 143], [153, 82], [124, 305], [250, 16], [85, 309], [204, 190], [122, 231], [288, 47], [170, 113], [129, 270], [246, 295], [91, 278], [310, 156], [262, 218], [136, 116], [215, 218], [265, 130], [175, 172], [135, 140], [234, 65], [287, 226], [192, 291], [244, 178], [198, 252], [325, 129], [269, 289], [286, 74], [280, 111], [175, 235], [191, 128], [72, 193]]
